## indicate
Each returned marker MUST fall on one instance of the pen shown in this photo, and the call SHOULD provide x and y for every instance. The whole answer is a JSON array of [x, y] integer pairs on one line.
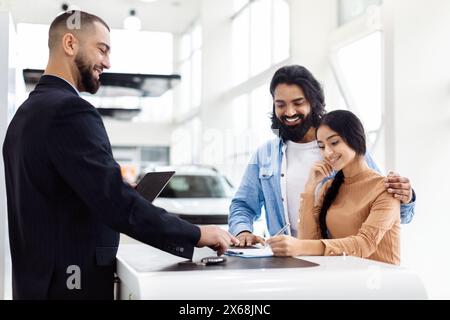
[[282, 229], [231, 252], [279, 232]]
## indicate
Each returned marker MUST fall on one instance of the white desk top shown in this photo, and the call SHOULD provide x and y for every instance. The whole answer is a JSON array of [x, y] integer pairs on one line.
[[139, 265]]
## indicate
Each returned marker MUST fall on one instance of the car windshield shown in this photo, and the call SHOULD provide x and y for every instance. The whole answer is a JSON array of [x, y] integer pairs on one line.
[[197, 186]]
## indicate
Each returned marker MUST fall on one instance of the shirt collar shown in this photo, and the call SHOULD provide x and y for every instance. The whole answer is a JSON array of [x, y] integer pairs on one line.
[[78, 92]]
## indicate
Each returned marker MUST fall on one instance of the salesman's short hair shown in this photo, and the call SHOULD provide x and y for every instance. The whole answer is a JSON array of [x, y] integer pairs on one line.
[[73, 21]]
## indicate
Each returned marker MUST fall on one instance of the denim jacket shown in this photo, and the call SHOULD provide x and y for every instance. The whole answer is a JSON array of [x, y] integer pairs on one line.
[[261, 186]]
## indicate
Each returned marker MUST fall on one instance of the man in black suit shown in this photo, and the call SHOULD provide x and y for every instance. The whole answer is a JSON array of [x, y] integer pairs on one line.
[[67, 201]]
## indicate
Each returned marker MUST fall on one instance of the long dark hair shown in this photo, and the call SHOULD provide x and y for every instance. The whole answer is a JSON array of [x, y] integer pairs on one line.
[[350, 129], [303, 78]]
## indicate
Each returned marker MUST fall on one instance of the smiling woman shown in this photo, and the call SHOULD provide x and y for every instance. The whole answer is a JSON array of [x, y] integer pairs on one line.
[[354, 214]]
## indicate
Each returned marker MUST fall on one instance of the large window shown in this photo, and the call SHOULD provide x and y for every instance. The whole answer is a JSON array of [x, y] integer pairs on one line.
[[260, 36], [190, 67], [357, 59], [361, 66], [351, 9]]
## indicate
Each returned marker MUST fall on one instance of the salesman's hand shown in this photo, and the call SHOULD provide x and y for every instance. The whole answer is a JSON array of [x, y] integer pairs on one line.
[[216, 238], [247, 239], [399, 187]]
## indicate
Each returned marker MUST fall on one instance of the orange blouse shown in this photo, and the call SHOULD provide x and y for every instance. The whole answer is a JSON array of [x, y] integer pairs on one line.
[[363, 220]]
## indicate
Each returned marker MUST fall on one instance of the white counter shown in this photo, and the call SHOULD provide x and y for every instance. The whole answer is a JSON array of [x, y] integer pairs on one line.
[[138, 267]]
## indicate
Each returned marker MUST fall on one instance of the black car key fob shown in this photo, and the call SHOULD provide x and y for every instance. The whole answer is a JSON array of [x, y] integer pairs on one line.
[[212, 260]]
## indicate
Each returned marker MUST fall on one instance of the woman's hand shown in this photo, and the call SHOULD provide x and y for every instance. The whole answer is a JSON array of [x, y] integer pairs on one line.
[[286, 246], [318, 172]]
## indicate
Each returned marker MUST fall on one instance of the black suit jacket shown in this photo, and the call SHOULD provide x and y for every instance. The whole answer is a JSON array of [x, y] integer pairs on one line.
[[67, 200]]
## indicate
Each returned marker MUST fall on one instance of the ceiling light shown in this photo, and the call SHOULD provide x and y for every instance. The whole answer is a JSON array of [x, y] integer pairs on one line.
[[132, 22]]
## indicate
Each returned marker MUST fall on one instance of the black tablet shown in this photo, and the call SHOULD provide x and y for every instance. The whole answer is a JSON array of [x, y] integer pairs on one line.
[[153, 183]]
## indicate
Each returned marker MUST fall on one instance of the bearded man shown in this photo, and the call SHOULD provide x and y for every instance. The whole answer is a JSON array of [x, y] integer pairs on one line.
[[277, 172], [67, 201]]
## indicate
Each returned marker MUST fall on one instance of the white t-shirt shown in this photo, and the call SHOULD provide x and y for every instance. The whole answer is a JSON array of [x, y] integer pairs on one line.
[[299, 159]]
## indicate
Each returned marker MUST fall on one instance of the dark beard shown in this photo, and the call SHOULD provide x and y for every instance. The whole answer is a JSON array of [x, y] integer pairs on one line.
[[88, 82], [296, 133]]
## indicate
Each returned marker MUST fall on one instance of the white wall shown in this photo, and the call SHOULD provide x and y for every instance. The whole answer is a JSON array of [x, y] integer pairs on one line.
[[3, 124], [215, 111], [217, 59], [124, 133], [422, 133], [7, 86], [311, 25]]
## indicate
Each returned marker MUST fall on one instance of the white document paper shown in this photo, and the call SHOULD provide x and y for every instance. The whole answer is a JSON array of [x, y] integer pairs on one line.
[[250, 253]]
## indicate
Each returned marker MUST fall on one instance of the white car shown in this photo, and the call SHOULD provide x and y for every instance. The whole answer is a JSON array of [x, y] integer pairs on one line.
[[200, 195], [197, 194]]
